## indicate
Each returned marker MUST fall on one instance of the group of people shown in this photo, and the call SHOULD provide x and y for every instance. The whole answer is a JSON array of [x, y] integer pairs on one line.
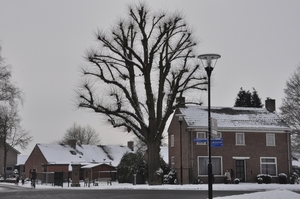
[[229, 176], [33, 175]]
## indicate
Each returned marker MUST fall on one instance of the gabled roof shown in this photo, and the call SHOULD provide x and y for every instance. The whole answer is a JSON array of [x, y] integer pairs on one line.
[[64, 154], [236, 118]]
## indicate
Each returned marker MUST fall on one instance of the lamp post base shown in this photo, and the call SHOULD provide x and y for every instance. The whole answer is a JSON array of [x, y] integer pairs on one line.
[[210, 181]]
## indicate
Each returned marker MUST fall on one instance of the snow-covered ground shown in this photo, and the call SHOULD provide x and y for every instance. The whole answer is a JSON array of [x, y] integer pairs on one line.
[[265, 191]]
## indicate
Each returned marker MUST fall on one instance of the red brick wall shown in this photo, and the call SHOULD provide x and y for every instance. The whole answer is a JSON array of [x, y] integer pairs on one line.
[[35, 161]]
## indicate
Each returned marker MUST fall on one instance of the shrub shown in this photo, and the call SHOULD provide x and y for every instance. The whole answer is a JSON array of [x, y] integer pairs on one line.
[[132, 163], [266, 178], [282, 178], [259, 180], [170, 177], [294, 178], [236, 181]]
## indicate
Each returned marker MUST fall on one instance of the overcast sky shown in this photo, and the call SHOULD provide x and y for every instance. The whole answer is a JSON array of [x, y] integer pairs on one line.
[[45, 41]]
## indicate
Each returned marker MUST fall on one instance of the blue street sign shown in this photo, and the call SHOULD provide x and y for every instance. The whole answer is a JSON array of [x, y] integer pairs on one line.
[[217, 142], [213, 142], [217, 145]]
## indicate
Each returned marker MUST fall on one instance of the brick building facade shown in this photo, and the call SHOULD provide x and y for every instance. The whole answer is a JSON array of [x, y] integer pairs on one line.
[[255, 141]]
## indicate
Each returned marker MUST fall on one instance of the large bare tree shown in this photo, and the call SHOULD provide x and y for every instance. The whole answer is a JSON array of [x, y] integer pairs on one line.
[[11, 133], [134, 78], [82, 135], [290, 108]]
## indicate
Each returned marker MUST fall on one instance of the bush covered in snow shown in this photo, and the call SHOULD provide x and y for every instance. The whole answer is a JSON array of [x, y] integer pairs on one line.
[[236, 181], [170, 178], [264, 178], [294, 178], [282, 178]]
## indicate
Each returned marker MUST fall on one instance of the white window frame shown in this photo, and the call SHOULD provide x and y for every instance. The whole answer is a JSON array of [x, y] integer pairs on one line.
[[270, 139], [202, 137], [237, 140], [268, 163], [172, 141], [206, 165]]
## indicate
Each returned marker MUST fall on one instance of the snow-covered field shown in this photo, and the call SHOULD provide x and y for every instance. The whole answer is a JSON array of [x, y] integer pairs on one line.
[[265, 191]]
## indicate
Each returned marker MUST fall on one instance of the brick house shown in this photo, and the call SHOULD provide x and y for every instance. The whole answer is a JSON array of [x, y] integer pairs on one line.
[[58, 158], [11, 161], [255, 141]]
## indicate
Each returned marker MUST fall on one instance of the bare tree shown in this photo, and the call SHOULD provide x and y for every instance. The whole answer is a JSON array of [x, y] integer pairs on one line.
[[83, 135], [11, 133], [290, 108], [142, 66]]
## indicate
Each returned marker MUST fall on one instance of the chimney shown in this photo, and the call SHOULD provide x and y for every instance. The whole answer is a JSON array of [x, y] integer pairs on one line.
[[72, 143], [130, 145], [181, 102], [270, 104]]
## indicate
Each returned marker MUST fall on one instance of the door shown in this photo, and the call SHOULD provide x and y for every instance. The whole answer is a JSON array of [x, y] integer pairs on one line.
[[240, 170]]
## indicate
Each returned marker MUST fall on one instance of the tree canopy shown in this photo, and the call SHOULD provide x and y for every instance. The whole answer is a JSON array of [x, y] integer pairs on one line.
[[143, 64], [11, 132], [290, 108], [82, 135], [247, 99]]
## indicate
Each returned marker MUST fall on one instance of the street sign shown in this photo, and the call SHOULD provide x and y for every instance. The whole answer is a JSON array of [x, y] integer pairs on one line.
[[216, 142], [217, 145], [214, 126]]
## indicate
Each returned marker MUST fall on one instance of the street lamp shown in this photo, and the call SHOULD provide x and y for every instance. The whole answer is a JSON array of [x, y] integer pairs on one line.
[[209, 61], [180, 119]]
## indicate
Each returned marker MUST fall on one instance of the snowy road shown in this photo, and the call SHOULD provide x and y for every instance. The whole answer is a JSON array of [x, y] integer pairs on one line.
[[128, 191]]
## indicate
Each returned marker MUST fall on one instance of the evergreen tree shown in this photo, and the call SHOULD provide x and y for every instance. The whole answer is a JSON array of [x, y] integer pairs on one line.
[[247, 99], [256, 100], [132, 163]]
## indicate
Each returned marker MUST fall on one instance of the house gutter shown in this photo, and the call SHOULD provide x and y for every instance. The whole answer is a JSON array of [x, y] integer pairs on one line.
[[244, 130]]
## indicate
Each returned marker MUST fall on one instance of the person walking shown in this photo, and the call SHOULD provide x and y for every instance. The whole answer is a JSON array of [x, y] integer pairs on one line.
[[227, 177], [232, 175], [33, 177]]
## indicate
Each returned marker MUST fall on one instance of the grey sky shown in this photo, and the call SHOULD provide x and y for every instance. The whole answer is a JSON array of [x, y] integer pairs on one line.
[[45, 42]]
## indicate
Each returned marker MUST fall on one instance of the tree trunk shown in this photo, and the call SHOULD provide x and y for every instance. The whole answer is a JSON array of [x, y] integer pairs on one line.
[[5, 159], [154, 175]]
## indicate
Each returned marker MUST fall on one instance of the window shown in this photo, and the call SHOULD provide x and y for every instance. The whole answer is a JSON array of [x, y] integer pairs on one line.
[[172, 141], [216, 165], [268, 166], [270, 139], [240, 139], [201, 135]]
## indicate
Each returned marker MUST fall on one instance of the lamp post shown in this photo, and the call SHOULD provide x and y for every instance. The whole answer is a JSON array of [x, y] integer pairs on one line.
[[180, 119], [209, 66]]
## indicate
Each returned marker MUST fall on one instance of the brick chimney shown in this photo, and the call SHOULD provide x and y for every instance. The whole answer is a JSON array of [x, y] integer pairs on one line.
[[72, 143], [181, 102], [130, 145], [270, 104]]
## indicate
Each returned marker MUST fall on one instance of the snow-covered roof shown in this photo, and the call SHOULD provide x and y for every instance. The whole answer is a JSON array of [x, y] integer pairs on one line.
[[234, 118], [22, 159], [64, 154]]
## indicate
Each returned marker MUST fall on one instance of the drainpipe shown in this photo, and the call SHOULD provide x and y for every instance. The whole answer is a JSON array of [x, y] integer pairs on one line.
[[289, 151]]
